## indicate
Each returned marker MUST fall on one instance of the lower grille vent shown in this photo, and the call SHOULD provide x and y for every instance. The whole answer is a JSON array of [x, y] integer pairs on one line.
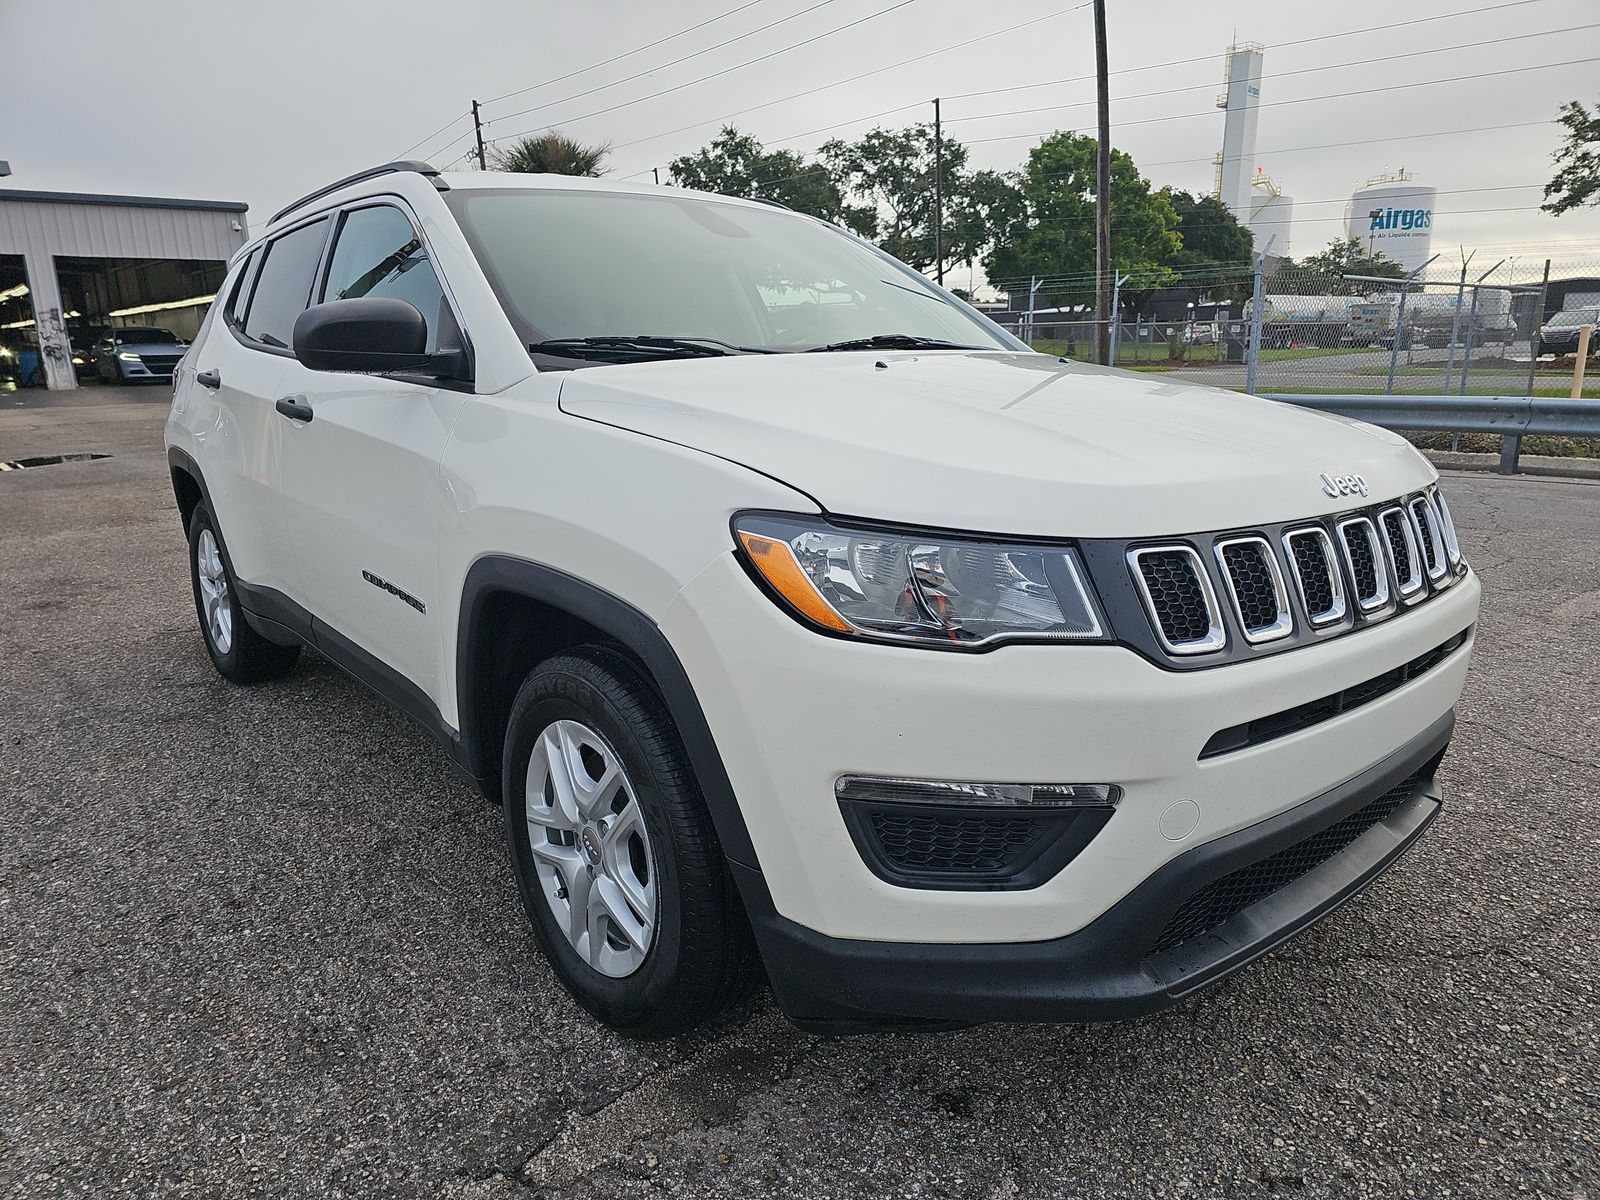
[[1303, 716], [1220, 901], [917, 842]]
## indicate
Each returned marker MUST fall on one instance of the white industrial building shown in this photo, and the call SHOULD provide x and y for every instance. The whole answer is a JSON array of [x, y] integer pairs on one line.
[[1250, 194], [73, 265]]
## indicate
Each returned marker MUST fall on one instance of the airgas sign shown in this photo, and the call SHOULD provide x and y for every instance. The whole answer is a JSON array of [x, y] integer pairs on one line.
[[1402, 219]]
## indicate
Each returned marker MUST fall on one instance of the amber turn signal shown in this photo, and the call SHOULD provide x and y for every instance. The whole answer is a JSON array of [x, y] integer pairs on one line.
[[779, 567]]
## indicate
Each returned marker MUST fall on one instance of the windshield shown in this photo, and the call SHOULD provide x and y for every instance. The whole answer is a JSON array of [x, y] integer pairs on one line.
[[151, 336], [1581, 317], [588, 264]]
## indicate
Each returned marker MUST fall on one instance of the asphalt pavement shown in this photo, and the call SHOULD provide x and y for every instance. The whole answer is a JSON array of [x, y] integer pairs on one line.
[[263, 942]]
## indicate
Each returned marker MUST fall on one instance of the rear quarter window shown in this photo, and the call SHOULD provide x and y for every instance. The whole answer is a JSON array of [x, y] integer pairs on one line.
[[283, 286]]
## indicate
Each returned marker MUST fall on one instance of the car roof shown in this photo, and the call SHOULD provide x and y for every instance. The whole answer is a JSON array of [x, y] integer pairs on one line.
[[388, 183]]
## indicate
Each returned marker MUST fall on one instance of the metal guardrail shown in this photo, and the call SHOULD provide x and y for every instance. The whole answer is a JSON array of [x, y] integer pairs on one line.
[[1510, 417]]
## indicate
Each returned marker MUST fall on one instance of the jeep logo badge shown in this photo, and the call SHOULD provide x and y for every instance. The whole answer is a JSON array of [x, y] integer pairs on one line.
[[1343, 485]]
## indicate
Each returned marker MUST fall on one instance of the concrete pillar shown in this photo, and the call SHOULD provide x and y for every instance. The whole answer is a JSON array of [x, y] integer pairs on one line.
[[45, 293]]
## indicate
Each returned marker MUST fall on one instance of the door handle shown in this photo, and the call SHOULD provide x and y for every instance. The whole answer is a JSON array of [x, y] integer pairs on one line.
[[293, 408], [210, 379]]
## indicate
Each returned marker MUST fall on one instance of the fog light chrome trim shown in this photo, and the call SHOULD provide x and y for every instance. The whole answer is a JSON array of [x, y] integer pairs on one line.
[[880, 789]]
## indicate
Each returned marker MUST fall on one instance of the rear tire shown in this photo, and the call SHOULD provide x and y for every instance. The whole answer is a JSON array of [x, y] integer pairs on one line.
[[240, 654], [614, 852]]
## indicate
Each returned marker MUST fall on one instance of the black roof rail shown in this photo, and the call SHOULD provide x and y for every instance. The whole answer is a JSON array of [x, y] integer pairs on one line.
[[420, 168], [772, 202]]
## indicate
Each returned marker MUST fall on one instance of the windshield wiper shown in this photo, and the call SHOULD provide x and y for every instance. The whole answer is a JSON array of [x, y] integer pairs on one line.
[[645, 345], [894, 341]]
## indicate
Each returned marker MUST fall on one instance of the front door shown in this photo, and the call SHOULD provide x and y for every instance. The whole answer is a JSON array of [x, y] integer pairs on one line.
[[361, 479]]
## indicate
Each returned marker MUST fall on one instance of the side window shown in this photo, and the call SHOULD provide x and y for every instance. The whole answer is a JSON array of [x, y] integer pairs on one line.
[[283, 286], [379, 253], [241, 288]]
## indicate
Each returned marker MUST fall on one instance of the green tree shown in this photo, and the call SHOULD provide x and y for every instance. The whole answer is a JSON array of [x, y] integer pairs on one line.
[[1216, 250], [1577, 181], [1212, 235], [1055, 235], [1322, 274], [735, 164], [889, 173], [550, 153]]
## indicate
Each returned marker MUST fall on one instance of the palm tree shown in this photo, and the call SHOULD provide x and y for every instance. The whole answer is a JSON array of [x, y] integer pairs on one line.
[[551, 153]]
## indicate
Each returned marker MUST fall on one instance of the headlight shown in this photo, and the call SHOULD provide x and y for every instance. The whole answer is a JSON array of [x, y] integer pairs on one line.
[[128, 356], [903, 586]]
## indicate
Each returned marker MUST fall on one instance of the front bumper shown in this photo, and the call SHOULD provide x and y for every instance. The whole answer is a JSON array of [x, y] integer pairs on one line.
[[1147, 951], [791, 712]]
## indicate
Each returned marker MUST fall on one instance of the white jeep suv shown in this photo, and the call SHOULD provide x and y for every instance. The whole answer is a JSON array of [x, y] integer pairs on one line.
[[803, 621]]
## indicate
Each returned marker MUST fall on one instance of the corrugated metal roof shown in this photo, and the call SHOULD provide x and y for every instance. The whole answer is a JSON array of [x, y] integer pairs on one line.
[[120, 201]]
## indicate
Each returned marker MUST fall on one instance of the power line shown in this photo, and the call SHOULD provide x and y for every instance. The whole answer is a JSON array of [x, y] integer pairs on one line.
[[728, 70], [1396, 87], [431, 136], [876, 71], [1019, 87], [675, 62], [1343, 33], [1173, 162], [1365, 62], [638, 50]]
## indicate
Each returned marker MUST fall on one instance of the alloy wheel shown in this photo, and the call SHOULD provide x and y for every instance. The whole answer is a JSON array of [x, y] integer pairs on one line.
[[214, 597], [591, 848]]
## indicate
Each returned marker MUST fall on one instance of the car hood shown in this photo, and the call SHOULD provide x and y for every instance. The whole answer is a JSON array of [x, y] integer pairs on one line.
[[1002, 442], [151, 348]]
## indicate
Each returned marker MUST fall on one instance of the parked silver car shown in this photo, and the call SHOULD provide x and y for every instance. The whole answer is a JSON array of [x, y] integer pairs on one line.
[[136, 353]]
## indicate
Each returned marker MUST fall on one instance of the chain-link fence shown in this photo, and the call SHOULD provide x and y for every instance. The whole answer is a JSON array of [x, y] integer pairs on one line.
[[1503, 326]]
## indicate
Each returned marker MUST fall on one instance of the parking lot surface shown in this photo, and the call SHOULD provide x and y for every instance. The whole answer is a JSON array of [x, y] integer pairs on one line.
[[264, 943]]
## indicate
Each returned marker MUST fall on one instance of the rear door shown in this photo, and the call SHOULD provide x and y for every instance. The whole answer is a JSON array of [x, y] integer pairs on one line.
[[245, 366], [361, 480]]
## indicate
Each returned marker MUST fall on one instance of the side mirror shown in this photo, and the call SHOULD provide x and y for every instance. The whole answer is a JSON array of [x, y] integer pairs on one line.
[[370, 334]]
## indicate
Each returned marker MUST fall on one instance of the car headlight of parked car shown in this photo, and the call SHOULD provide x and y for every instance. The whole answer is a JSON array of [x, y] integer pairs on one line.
[[128, 356], [907, 586]]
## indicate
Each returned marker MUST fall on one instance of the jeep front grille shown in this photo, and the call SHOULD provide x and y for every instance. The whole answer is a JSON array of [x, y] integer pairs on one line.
[[1212, 598], [1255, 585], [1178, 595], [1316, 573]]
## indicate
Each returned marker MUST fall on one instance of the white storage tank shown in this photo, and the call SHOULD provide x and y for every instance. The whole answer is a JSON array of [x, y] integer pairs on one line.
[[1271, 216], [1393, 215]]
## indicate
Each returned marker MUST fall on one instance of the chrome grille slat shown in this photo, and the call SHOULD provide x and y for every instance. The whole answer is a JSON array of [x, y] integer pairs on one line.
[[1364, 559], [1172, 580], [1425, 524], [1317, 579], [1447, 526], [1255, 586], [1403, 553]]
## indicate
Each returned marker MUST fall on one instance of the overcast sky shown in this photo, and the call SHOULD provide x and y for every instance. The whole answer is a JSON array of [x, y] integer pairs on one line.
[[260, 103]]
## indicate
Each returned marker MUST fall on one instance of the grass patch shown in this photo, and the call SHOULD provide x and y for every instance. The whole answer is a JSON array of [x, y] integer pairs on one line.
[[1489, 443]]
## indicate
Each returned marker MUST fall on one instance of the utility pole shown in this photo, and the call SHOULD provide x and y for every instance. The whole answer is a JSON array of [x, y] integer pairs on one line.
[[938, 195], [477, 128], [1102, 199]]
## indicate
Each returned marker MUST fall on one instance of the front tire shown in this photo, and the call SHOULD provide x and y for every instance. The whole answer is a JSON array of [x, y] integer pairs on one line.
[[614, 852], [240, 654]]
